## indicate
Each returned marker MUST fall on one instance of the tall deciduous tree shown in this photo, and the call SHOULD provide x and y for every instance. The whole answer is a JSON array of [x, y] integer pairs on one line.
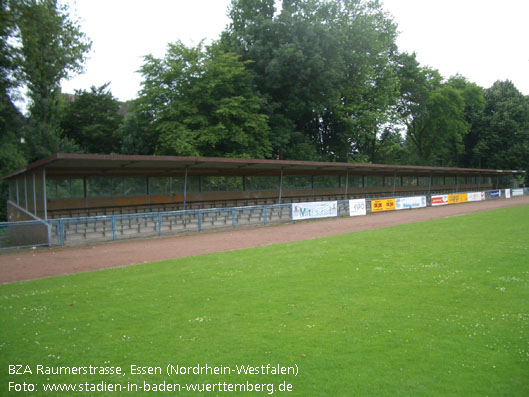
[[8, 60], [92, 120], [474, 107], [52, 47], [200, 101], [136, 135], [416, 84], [437, 136], [437, 116], [324, 69], [11, 120], [505, 140]]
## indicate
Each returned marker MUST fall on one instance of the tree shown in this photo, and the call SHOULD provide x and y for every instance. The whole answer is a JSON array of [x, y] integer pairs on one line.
[[504, 142], [8, 63], [135, 136], [324, 70], [199, 101], [437, 135], [282, 50], [416, 84], [474, 106], [51, 48], [92, 120], [437, 116], [369, 83], [11, 120]]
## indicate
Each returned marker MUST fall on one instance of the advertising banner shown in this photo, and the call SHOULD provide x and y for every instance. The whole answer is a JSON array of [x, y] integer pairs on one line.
[[495, 194], [403, 203], [440, 200], [457, 198], [320, 209], [517, 192], [383, 205], [476, 196], [507, 193], [357, 207]]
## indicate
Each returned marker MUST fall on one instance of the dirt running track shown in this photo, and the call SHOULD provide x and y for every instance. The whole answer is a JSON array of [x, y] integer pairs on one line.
[[45, 262]]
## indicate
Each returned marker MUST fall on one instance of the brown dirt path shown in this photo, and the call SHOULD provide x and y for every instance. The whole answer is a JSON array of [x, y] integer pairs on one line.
[[31, 264]]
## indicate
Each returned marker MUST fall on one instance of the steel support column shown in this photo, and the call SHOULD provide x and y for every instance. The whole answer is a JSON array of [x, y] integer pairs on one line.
[[430, 186], [347, 185], [148, 190], [280, 187], [85, 193], [16, 188], [25, 192], [44, 204], [34, 195], [185, 190]]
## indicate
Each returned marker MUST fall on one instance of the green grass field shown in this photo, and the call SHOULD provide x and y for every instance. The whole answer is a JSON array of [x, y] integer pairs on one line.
[[435, 308]]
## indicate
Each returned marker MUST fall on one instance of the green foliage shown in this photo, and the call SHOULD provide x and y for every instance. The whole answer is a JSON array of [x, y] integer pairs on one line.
[[324, 69], [200, 102], [92, 120], [11, 121], [505, 139], [11, 158], [51, 48], [437, 115], [473, 95], [41, 140], [437, 136], [135, 136], [416, 83], [8, 53]]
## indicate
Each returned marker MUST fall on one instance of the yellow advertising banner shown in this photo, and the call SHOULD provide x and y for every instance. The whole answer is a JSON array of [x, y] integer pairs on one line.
[[457, 198], [383, 205]]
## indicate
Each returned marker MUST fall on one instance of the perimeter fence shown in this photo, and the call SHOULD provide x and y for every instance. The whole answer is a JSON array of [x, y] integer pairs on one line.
[[93, 229]]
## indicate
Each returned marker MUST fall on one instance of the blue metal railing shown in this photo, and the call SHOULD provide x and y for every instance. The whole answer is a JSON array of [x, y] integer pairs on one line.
[[63, 231]]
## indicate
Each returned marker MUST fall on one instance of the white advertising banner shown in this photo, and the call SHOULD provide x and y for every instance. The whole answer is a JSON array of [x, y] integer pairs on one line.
[[357, 207], [517, 192], [404, 203], [440, 200], [319, 209], [476, 196], [507, 193]]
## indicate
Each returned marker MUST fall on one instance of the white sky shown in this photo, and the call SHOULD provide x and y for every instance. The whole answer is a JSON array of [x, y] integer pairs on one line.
[[484, 40]]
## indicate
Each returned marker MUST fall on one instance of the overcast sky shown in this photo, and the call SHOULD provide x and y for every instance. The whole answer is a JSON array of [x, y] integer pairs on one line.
[[484, 40]]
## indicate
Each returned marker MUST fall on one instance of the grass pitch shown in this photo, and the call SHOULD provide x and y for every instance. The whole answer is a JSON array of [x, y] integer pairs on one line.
[[434, 308]]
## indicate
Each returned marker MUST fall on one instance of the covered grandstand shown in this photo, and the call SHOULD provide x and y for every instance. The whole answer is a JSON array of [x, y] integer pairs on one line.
[[65, 186]]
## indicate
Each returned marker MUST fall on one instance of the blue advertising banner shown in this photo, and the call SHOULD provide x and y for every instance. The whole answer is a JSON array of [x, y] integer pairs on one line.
[[495, 194], [411, 202]]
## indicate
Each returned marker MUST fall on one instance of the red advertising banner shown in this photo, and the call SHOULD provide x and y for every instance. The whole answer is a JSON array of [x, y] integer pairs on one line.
[[440, 200]]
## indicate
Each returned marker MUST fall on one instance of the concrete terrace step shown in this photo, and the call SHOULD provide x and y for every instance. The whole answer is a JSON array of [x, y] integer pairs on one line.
[[79, 231]]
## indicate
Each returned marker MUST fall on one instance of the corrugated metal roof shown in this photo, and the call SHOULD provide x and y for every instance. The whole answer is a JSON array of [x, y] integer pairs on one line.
[[78, 165]]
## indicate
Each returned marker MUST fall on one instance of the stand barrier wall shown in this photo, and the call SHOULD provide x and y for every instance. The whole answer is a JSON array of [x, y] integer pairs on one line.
[[31, 231]]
